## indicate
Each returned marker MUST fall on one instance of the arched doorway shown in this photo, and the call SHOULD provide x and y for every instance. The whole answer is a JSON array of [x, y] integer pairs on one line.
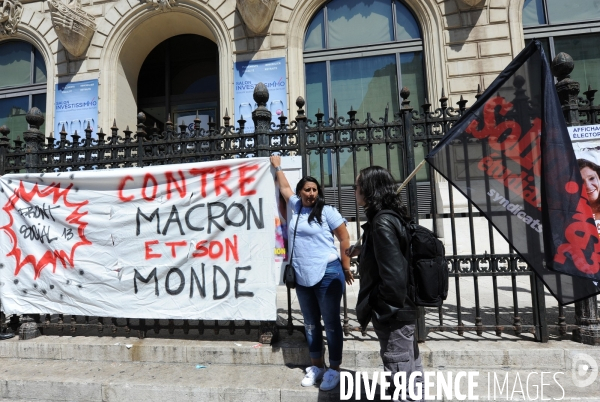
[[178, 78]]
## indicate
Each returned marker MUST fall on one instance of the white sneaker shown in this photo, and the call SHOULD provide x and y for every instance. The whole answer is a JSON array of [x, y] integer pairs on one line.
[[331, 379], [313, 376]]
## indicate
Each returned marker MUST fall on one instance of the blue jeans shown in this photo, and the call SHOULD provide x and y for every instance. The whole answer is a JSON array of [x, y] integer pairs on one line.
[[323, 299]]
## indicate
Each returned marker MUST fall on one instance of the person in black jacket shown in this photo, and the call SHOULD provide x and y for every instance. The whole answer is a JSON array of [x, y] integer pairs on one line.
[[384, 276]]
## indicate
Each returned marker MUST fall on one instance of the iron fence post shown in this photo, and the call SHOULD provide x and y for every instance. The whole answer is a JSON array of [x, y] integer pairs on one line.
[[4, 142], [262, 119], [413, 208], [301, 120], [521, 110], [586, 311], [267, 331], [409, 144], [140, 136], [539, 309], [34, 140]]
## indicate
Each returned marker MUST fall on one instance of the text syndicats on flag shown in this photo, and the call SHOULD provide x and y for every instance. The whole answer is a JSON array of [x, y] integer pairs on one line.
[[512, 157]]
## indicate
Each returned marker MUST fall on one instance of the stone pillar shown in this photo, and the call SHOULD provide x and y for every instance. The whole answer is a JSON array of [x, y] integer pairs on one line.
[[586, 311]]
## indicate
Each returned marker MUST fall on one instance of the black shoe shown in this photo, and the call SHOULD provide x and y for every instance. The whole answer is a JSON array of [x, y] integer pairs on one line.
[[7, 335]]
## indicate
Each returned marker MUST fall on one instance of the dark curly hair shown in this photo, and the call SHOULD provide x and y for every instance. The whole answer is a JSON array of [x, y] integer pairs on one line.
[[378, 188], [317, 210]]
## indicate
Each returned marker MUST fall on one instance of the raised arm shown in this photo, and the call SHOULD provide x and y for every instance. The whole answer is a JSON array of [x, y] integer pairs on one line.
[[284, 187]]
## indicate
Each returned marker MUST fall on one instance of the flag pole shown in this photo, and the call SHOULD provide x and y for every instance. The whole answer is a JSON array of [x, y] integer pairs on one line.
[[410, 176], [408, 179]]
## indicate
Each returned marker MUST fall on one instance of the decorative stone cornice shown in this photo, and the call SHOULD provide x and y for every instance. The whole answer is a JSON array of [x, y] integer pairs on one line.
[[257, 14], [73, 26], [10, 16], [162, 5]]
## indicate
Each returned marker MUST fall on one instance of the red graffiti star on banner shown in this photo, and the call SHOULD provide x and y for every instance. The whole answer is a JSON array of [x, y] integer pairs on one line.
[[39, 202]]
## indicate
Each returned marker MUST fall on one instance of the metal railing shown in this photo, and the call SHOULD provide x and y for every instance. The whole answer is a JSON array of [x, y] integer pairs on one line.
[[333, 150]]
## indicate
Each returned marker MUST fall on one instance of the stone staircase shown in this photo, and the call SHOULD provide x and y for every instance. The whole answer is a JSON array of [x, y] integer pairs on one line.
[[54, 368]]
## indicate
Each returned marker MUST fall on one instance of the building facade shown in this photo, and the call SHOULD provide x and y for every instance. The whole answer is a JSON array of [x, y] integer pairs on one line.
[[168, 58]]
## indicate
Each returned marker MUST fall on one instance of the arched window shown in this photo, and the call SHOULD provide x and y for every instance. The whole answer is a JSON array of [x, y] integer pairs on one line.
[[568, 26], [360, 53], [22, 85], [180, 77]]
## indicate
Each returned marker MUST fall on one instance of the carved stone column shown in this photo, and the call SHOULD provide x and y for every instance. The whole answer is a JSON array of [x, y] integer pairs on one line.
[[586, 311]]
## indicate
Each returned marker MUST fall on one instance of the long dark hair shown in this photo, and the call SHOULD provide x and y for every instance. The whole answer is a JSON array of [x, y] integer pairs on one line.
[[583, 163], [378, 188], [317, 209]]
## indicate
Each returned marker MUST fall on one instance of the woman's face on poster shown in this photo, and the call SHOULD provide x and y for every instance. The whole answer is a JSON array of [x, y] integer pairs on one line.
[[591, 182]]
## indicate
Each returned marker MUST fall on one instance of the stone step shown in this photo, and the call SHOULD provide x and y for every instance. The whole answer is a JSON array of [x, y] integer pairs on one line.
[[290, 350], [62, 380], [360, 353]]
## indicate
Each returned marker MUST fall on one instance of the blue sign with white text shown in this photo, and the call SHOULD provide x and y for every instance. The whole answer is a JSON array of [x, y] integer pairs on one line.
[[247, 75], [76, 106]]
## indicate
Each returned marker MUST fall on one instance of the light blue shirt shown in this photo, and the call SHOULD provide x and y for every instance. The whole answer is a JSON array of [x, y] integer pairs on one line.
[[314, 243]]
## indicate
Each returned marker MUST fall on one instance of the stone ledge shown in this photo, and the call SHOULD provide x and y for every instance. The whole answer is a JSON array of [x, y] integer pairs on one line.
[[358, 353], [148, 382]]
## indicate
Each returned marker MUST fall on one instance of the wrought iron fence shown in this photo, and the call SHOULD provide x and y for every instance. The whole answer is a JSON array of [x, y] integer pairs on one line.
[[493, 290]]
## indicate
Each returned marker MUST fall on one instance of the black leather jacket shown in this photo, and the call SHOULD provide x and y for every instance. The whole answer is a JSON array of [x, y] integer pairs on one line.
[[384, 271]]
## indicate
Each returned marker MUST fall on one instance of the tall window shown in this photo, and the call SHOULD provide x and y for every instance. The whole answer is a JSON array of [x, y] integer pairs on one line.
[[360, 53], [571, 27], [22, 85], [179, 78]]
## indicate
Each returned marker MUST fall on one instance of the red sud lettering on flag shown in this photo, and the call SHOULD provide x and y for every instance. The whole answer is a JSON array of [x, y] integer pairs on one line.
[[511, 156], [506, 138], [582, 246]]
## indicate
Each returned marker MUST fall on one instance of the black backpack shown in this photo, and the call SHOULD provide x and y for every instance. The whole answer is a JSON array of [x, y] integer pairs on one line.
[[428, 283]]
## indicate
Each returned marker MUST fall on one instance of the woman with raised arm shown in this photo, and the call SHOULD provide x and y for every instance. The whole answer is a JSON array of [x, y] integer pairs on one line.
[[321, 272]]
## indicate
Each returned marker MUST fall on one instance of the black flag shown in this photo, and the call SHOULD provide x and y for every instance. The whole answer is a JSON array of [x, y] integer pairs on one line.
[[511, 156]]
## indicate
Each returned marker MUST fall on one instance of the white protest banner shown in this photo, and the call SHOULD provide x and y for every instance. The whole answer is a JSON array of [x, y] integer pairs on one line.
[[188, 241]]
